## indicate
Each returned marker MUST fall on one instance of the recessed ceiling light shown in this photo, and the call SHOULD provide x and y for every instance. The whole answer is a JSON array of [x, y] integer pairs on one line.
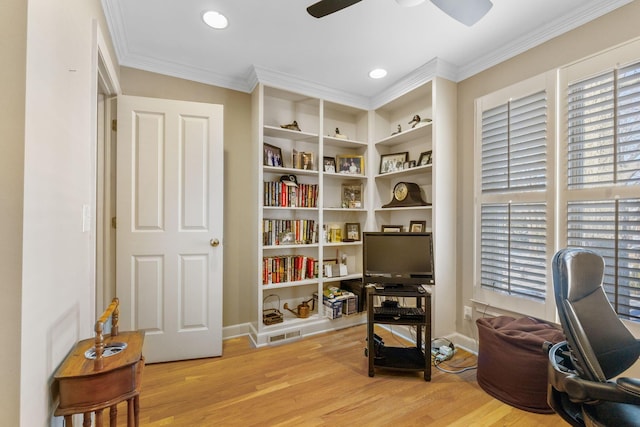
[[378, 73], [409, 3], [215, 19]]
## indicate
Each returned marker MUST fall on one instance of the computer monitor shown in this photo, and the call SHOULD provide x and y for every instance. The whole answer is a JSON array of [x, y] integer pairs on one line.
[[398, 258]]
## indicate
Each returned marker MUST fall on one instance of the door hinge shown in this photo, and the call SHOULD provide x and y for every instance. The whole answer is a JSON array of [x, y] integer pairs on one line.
[[114, 125], [114, 222]]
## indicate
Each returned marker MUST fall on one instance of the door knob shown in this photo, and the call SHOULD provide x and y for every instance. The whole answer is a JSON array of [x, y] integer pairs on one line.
[[214, 242]]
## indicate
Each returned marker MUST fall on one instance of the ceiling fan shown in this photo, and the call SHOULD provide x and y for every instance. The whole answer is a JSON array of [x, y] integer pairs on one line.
[[466, 11]]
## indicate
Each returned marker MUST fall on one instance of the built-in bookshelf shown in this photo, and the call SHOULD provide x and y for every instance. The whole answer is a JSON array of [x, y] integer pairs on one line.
[[323, 182], [313, 174]]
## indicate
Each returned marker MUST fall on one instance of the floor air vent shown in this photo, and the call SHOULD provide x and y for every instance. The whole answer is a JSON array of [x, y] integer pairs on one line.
[[273, 339]]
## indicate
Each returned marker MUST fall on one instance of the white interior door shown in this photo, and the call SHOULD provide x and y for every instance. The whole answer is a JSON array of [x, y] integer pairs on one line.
[[169, 225]]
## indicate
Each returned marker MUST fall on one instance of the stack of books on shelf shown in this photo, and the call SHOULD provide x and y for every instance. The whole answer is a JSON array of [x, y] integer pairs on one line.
[[288, 268], [289, 231], [279, 194]]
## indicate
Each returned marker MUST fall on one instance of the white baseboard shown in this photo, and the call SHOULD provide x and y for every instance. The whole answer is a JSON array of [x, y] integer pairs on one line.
[[467, 343], [234, 331]]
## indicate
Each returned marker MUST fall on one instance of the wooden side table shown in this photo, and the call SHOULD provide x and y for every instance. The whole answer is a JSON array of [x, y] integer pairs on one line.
[[112, 375]]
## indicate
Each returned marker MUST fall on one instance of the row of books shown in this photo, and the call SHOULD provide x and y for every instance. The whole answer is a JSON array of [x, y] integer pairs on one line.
[[289, 231], [277, 193], [288, 268]]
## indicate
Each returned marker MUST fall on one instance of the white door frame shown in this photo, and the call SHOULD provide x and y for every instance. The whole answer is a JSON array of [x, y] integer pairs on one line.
[[107, 89]]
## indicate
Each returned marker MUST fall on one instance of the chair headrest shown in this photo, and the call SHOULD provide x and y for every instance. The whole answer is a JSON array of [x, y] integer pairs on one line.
[[584, 271]]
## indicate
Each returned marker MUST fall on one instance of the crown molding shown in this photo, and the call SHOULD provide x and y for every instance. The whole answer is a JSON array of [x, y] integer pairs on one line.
[[305, 87], [116, 28], [545, 33], [426, 72], [186, 72]]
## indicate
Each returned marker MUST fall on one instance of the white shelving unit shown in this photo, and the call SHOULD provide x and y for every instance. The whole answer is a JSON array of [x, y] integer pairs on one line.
[[318, 121], [435, 100], [365, 135]]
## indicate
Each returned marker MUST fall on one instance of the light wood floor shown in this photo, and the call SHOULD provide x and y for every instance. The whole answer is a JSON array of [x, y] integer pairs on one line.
[[317, 381]]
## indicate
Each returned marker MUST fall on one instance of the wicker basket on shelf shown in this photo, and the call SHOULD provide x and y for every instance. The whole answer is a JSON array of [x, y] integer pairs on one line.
[[271, 316]]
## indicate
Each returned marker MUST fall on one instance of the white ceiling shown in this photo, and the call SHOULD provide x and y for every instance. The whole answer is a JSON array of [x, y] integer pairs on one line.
[[278, 42]]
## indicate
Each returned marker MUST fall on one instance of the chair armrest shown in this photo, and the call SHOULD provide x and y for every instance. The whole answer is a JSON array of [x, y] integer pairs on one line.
[[579, 390], [629, 385]]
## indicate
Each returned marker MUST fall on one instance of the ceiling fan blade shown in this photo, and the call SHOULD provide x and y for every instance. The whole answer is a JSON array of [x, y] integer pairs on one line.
[[466, 11], [327, 7]]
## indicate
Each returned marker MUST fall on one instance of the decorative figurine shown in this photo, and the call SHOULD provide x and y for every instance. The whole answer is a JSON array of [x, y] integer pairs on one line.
[[398, 131], [416, 120], [291, 126], [339, 135]]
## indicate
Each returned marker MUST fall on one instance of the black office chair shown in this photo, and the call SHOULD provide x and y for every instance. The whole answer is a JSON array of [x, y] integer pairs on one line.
[[598, 347]]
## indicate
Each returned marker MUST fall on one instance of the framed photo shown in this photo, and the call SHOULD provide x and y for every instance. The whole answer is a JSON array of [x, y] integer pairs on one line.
[[417, 226], [271, 155], [329, 165], [350, 164], [352, 232], [352, 196], [391, 228], [425, 158], [307, 161], [335, 234], [393, 162]]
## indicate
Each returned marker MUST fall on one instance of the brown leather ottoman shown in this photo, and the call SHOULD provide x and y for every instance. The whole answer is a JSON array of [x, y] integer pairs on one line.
[[512, 365]]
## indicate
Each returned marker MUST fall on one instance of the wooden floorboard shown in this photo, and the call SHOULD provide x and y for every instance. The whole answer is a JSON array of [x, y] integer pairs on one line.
[[317, 381]]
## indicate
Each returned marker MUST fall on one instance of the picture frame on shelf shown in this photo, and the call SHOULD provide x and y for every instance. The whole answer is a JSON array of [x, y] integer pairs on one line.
[[352, 196], [329, 164], [272, 155], [335, 234], [391, 228], [417, 226], [306, 161], [393, 162], [351, 232], [425, 158], [302, 160], [350, 164]]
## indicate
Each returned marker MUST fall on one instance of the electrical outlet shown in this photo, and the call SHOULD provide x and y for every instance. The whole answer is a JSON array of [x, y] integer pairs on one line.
[[468, 314]]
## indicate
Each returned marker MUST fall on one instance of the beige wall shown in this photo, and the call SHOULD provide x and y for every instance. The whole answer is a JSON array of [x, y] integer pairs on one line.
[[240, 175], [13, 21], [47, 174], [610, 30]]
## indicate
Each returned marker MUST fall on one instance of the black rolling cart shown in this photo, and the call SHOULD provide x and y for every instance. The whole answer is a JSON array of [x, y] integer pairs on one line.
[[387, 310]]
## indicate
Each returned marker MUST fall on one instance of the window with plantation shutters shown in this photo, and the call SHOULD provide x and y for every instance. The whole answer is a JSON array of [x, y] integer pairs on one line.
[[513, 254], [514, 145], [546, 180], [604, 129], [603, 178], [513, 233], [612, 229]]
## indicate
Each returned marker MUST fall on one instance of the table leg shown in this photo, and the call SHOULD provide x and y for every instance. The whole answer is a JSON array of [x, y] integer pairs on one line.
[[99, 422], [86, 421], [68, 420], [136, 410], [130, 411], [113, 416]]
